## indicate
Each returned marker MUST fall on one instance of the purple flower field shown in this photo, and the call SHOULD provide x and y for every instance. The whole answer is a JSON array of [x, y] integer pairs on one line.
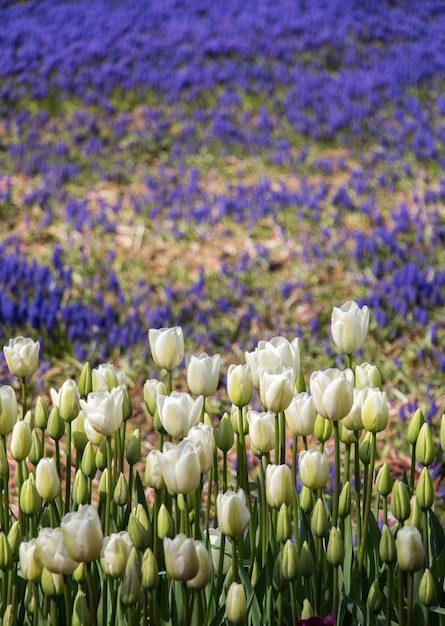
[[233, 168]]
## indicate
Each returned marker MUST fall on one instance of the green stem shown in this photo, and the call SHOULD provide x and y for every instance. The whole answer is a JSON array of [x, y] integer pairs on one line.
[[401, 615], [68, 467], [282, 423], [412, 472], [197, 504], [335, 601], [410, 598], [264, 531], [277, 439], [235, 576], [5, 507], [24, 400], [109, 487], [358, 515], [66, 595], [367, 510], [389, 596], [336, 475], [91, 599], [186, 620], [169, 382]]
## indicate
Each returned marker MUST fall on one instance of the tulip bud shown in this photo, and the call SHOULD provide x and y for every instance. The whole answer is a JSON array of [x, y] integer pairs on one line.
[[233, 514], [236, 604], [313, 467], [375, 411], [88, 463], [400, 501], [410, 551], [344, 502], [425, 490], [384, 481], [81, 612], [165, 523], [5, 553], [79, 573], [279, 488], [415, 517], [69, 401], [30, 500], [150, 572], [319, 520], [47, 479], [181, 557], [414, 426], [239, 385], [234, 418], [55, 427], [224, 434], [387, 546], [85, 380], [81, 492], [52, 584], [36, 451], [139, 527], [349, 326], [20, 441], [375, 598], [131, 586], [133, 452], [279, 582], [9, 616], [322, 428], [4, 464], [306, 499], [425, 448], [101, 455], [336, 548], [290, 564], [307, 611], [346, 435], [8, 409], [365, 449], [204, 574], [127, 405], [121, 491], [427, 589], [284, 524], [306, 561], [152, 389], [78, 434], [15, 539]]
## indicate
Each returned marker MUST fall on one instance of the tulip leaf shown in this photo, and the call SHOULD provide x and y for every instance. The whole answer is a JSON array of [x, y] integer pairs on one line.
[[140, 493]]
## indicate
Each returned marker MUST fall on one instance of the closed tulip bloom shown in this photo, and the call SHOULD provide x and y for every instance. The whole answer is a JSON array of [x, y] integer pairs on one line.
[[203, 373], [290, 565], [336, 547], [181, 557], [30, 500], [167, 346], [300, 414], [139, 527], [153, 474], [236, 604], [21, 441], [280, 351], [375, 411], [106, 377], [313, 468], [276, 388], [201, 436], [8, 409], [252, 359], [115, 552], [349, 326], [78, 433], [353, 420], [239, 384], [180, 467], [149, 570], [69, 401], [47, 479], [410, 551], [332, 392], [233, 514], [178, 412], [425, 447], [262, 430], [279, 488], [427, 589], [82, 534], [215, 538], [104, 411], [152, 389], [367, 375], [52, 552], [22, 356], [204, 574], [30, 565]]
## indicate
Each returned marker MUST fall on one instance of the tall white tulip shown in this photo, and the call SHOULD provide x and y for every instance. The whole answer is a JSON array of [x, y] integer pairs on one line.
[[178, 412], [22, 356], [104, 410], [262, 430], [301, 414], [313, 468], [203, 373], [276, 388], [233, 514], [280, 351], [180, 466], [167, 346], [349, 326], [333, 392]]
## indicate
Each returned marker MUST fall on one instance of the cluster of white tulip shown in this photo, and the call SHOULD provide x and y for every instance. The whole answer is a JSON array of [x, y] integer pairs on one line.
[[288, 533]]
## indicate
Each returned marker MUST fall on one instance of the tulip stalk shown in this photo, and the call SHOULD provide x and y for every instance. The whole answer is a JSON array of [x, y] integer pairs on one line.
[[68, 432], [367, 509], [336, 474]]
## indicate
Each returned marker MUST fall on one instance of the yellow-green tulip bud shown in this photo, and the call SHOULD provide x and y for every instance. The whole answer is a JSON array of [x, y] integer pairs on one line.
[[139, 527], [346, 435], [384, 481], [336, 548], [85, 380], [152, 389], [55, 426], [20, 441], [103, 484], [101, 455], [5, 553], [306, 560], [425, 447], [150, 572], [344, 502], [131, 586], [165, 523], [375, 598], [30, 501], [79, 573], [78, 434], [290, 564], [410, 551], [31, 599], [415, 517], [400, 501], [306, 499], [236, 604], [9, 616], [69, 401], [319, 520], [4, 465], [365, 449], [181, 557], [127, 405], [81, 612], [279, 488], [414, 426], [88, 463], [121, 491], [224, 434], [425, 490], [279, 582], [284, 524], [387, 546], [239, 384], [134, 446], [205, 570], [300, 383], [322, 428], [307, 611], [36, 452], [375, 411], [81, 491], [52, 584], [14, 539], [427, 589]]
